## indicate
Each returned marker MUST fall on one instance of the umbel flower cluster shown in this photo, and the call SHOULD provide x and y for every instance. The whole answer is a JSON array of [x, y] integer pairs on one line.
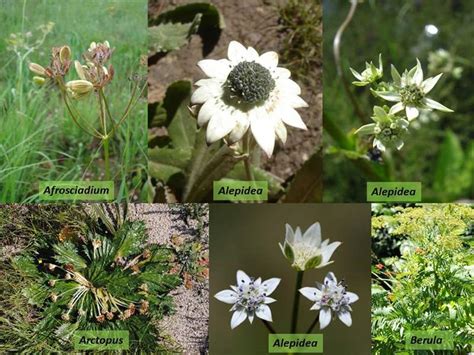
[[249, 298], [409, 93], [247, 90]]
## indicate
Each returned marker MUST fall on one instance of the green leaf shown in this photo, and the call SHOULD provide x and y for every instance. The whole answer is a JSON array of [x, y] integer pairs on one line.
[[290, 255], [208, 164], [36, 294], [211, 18], [129, 239], [313, 262], [274, 182], [26, 266], [66, 253], [307, 183], [449, 164], [171, 36]]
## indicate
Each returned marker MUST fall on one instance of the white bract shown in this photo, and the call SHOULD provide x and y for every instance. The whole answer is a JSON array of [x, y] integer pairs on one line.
[[410, 92], [369, 75], [247, 90], [306, 251], [249, 298], [330, 297]]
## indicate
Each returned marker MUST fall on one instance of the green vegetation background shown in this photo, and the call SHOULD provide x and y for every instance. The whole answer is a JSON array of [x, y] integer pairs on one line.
[[440, 153], [39, 141]]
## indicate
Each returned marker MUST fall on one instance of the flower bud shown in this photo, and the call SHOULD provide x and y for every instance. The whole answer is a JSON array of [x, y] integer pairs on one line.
[[65, 316], [37, 69], [51, 267], [79, 70], [52, 283], [68, 276], [80, 86], [92, 46], [53, 297], [64, 54], [106, 43], [38, 80]]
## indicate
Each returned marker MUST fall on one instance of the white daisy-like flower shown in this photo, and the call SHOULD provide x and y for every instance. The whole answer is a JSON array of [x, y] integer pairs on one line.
[[247, 90], [331, 297], [306, 251], [249, 298], [411, 92]]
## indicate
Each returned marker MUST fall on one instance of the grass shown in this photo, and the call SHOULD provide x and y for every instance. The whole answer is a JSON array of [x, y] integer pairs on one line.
[[38, 139]]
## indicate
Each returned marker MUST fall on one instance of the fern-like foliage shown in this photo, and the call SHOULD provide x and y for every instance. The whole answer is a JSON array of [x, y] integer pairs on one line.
[[100, 277]]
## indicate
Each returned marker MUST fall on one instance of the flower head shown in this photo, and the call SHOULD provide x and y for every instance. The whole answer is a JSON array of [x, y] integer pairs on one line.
[[388, 129], [306, 251], [370, 74], [79, 88], [249, 298], [247, 90], [410, 92], [331, 297]]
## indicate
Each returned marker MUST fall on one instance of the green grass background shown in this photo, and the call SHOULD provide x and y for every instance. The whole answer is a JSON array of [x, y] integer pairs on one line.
[[38, 140]]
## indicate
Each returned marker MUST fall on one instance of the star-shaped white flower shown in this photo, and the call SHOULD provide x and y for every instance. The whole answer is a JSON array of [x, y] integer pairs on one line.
[[307, 251], [411, 92], [247, 90], [330, 297], [249, 298]]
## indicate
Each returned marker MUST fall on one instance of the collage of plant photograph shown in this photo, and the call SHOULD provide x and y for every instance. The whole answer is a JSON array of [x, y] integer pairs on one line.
[[72, 100], [237, 177], [235, 94], [397, 97], [141, 268]]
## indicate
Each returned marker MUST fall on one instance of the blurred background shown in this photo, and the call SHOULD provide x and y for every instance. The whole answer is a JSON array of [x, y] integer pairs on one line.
[[38, 139], [246, 237], [439, 151]]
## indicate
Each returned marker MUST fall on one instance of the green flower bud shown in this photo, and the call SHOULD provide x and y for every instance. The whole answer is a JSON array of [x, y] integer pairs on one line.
[[38, 80], [80, 87], [37, 69]]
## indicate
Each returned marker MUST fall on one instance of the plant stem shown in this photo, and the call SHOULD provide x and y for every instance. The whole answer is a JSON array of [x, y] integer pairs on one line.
[[106, 158], [268, 326], [296, 301], [310, 329], [247, 162]]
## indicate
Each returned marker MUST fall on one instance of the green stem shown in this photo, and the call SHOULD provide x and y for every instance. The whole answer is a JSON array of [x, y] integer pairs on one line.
[[316, 320], [247, 161], [271, 330], [106, 158], [296, 301]]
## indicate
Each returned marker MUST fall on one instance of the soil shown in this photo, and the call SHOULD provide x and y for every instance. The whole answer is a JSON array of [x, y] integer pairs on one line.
[[188, 326], [253, 23]]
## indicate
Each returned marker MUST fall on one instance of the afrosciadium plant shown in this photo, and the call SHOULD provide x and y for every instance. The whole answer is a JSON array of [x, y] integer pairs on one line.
[[99, 276]]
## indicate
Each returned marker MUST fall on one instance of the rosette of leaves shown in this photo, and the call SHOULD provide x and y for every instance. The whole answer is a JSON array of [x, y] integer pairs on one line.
[[99, 277]]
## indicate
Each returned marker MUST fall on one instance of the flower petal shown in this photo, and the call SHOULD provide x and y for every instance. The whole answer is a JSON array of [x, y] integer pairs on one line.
[[238, 318], [268, 286], [379, 145], [291, 117], [388, 95], [324, 317], [252, 55], [329, 250], [356, 74], [352, 297], [311, 293], [288, 87], [280, 131], [313, 234], [430, 83], [290, 235], [269, 60], [227, 296], [204, 93], [396, 108], [240, 128], [436, 105], [263, 131], [282, 73], [268, 300], [215, 68], [345, 317], [366, 129], [242, 278], [330, 279], [220, 125], [264, 312], [206, 111], [298, 236], [296, 101], [418, 75], [236, 51], [316, 306], [412, 112], [251, 316]]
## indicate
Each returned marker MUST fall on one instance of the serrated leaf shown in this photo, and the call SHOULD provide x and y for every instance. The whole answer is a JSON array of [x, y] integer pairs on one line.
[[36, 294], [66, 253], [171, 36], [211, 17], [25, 265], [307, 183], [129, 239], [208, 164]]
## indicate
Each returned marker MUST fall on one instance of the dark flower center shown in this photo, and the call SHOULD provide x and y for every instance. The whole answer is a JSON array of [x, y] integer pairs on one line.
[[412, 95], [250, 82]]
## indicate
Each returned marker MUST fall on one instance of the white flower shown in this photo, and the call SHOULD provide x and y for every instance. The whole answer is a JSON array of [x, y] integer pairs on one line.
[[306, 251], [411, 91], [247, 90], [369, 75], [249, 298], [330, 297]]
